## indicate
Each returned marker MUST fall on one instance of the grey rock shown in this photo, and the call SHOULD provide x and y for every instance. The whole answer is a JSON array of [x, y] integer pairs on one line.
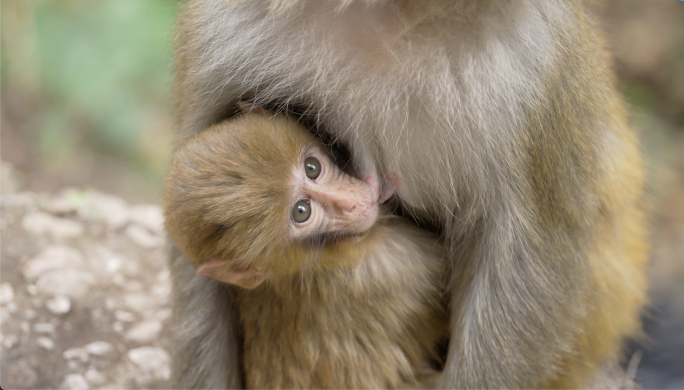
[[149, 216], [119, 280], [96, 206], [124, 316], [50, 258], [75, 365], [143, 237], [44, 327], [134, 285], [12, 307], [6, 293], [4, 315], [75, 381], [163, 314], [20, 375], [70, 282], [41, 224], [32, 289], [95, 377], [110, 303], [58, 305], [99, 348], [19, 200], [45, 343], [10, 341], [140, 302], [162, 290], [59, 205], [75, 354], [105, 260], [152, 361], [145, 331]]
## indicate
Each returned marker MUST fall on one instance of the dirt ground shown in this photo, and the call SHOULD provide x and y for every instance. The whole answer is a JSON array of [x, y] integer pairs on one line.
[[84, 292]]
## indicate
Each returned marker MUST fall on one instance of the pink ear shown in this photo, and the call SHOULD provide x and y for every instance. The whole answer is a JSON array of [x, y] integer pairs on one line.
[[246, 106], [227, 272]]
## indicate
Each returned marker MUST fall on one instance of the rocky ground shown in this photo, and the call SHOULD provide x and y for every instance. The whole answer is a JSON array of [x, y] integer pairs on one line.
[[83, 292]]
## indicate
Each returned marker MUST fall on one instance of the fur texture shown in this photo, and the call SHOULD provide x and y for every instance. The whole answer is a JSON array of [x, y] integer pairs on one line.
[[348, 309], [374, 325], [502, 124]]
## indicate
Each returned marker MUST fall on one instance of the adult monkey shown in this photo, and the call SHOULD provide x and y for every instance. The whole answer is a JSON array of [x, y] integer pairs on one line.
[[502, 126]]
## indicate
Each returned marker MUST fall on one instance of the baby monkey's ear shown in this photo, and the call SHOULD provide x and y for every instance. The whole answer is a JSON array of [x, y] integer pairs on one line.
[[246, 106], [227, 271]]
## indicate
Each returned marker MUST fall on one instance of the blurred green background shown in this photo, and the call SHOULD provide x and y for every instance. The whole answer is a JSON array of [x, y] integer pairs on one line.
[[86, 102], [86, 89]]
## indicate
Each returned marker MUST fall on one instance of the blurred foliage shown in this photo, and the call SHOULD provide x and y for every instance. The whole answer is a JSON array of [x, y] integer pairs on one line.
[[647, 40], [89, 86]]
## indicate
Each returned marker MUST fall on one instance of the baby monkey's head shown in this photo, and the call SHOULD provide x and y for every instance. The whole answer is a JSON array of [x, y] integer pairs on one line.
[[258, 197]]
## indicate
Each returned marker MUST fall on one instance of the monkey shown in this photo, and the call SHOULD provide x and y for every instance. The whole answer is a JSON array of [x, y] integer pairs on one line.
[[503, 126], [333, 292]]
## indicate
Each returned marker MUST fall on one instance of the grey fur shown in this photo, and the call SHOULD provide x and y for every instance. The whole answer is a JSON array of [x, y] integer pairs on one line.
[[205, 338]]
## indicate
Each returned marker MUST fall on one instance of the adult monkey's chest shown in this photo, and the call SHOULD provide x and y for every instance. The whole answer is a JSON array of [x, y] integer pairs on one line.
[[435, 101]]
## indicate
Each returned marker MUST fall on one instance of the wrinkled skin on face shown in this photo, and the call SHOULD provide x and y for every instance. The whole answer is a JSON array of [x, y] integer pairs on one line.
[[338, 203]]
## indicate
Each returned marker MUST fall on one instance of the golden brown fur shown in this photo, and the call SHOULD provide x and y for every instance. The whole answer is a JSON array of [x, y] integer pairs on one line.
[[500, 120], [375, 324], [229, 183], [348, 312]]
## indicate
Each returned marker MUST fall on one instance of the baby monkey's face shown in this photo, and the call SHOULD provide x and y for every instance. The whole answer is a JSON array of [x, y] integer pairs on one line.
[[327, 201]]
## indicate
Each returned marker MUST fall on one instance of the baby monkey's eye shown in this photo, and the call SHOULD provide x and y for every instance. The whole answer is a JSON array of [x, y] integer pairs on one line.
[[301, 211], [312, 167]]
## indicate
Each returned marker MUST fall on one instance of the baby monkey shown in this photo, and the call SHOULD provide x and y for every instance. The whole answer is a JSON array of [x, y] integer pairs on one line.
[[334, 292]]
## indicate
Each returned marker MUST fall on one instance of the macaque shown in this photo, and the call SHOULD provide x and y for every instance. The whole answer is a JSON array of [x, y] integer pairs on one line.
[[502, 126], [334, 294]]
